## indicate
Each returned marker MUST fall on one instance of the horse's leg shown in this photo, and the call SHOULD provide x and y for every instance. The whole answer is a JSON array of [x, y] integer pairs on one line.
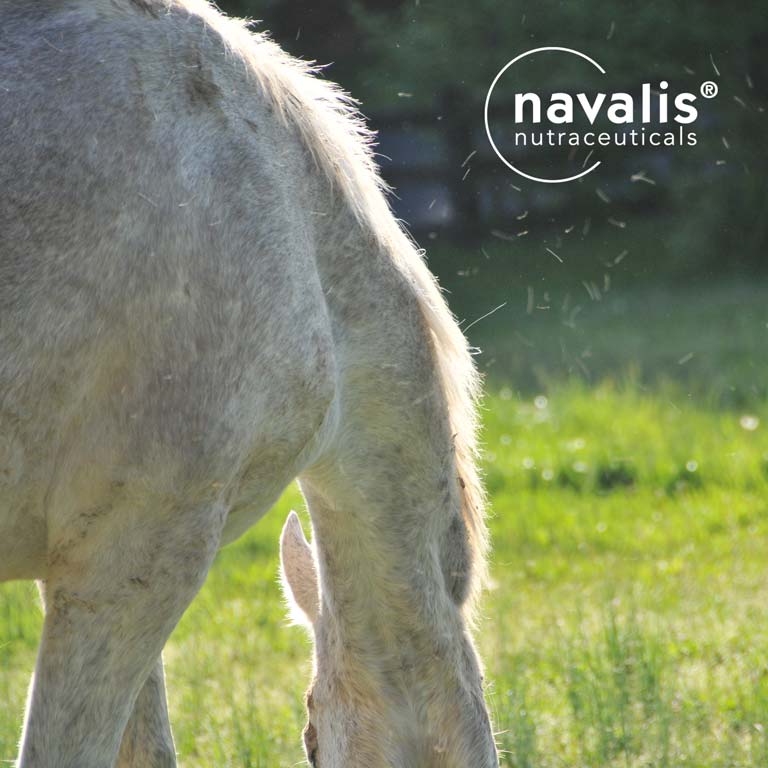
[[115, 592], [147, 740]]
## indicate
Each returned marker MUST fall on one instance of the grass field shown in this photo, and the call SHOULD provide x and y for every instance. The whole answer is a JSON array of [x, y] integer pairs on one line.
[[627, 620]]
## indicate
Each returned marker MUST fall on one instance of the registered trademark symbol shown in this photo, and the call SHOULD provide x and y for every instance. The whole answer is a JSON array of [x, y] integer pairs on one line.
[[709, 89]]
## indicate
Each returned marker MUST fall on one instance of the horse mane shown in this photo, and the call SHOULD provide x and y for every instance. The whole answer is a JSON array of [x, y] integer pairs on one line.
[[333, 131]]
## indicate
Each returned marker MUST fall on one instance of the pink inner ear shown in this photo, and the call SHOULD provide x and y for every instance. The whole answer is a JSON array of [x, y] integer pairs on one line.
[[298, 572]]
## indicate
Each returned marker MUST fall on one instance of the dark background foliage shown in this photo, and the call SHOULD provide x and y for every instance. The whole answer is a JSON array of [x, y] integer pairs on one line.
[[436, 58]]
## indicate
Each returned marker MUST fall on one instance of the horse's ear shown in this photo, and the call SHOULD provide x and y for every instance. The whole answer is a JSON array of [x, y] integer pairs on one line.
[[298, 572]]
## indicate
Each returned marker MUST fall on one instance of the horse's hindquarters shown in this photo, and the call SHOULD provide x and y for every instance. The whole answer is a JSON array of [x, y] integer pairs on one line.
[[163, 330]]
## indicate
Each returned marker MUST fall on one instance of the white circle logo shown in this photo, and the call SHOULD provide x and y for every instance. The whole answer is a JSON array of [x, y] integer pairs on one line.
[[709, 89], [488, 101]]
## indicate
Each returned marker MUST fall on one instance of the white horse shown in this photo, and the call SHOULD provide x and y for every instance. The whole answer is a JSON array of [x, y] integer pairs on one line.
[[203, 294]]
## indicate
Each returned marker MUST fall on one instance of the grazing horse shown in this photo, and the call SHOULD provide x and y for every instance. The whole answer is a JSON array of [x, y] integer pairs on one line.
[[203, 295]]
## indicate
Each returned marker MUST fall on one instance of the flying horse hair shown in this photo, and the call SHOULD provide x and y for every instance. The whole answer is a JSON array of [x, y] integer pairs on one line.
[[204, 295]]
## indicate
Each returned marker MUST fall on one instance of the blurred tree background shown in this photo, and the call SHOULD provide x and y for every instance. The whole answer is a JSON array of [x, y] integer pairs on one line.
[[439, 57]]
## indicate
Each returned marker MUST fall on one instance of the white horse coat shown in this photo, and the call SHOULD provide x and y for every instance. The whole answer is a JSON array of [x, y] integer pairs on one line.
[[203, 295]]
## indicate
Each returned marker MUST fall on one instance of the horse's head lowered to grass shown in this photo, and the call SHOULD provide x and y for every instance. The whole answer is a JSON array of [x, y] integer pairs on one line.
[[383, 707]]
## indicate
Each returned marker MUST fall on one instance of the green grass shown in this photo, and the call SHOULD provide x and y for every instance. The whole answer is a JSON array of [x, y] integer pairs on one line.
[[627, 620], [628, 624]]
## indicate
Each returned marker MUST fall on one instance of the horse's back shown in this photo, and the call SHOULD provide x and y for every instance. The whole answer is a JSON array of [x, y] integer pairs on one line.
[[155, 254], [126, 158]]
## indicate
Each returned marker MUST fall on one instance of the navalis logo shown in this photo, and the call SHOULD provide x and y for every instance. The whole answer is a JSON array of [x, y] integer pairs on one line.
[[540, 124]]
